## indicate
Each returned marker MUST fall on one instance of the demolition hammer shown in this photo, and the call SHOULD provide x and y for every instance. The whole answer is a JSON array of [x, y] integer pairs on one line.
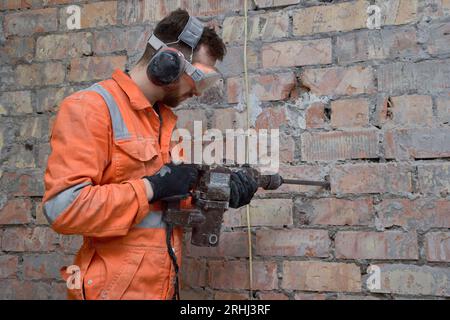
[[211, 197]]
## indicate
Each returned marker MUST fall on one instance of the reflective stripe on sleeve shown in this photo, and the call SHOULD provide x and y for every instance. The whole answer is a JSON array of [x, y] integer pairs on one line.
[[59, 203]]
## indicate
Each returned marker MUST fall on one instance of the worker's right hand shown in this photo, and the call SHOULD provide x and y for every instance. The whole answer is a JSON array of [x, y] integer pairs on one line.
[[172, 180]]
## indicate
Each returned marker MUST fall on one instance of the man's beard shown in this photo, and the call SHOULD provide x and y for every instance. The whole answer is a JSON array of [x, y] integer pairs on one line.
[[171, 100]]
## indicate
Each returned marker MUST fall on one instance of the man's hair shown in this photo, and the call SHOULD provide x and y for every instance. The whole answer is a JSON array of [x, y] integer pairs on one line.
[[168, 30]]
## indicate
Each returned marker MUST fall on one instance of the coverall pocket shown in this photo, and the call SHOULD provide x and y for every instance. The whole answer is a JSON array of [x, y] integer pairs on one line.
[[132, 157], [113, 272]]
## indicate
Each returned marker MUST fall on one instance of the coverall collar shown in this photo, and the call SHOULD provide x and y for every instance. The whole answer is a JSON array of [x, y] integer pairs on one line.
[[137, 99]]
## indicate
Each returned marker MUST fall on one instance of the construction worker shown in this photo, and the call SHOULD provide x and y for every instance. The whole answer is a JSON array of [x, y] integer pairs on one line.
[[111, 165]]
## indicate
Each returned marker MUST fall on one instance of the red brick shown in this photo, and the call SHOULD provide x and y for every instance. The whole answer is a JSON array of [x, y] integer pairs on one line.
[[92, 15], [193, 273], [269, 87], [12, 289], [94, 68], [33, 127], [40, 74], [28, 183], [424, 77], [16, 211], [44, 266], [70, 243], [310, 296], [132, 12], [43, 153], [439, 37], [274, 3], [336, 17], [271, 118], [434, 178], [355, 297], [15, 4], [48, 99], [321, 276], [296, 53], [15, 103], [376, 245], [186, 119], [408, 110], [235, 275], [230, 296], [339, 81], [443, 109], [20, 157], [197, 294], [62, 46], [371, 178], [263, 212], [26, 23], [17, 50], [155, 10], [296, 242], [378, 44], [414, 280], [286, 150], [350, 113], [13, 239], [398, 12], [272, 25], [8, 266], [34, 240], [339, 145], [340, 212], [233, 62], [272, 296], [315, 116], [131, 39], [419, 214], [231, 244], [404, 144], [39, 214], [437, 246]]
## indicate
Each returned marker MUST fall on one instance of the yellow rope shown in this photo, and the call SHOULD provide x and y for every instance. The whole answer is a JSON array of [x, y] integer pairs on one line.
[[247, 102]]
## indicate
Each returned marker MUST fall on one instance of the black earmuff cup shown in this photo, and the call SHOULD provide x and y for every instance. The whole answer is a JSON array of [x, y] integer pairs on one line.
[[165, 67]]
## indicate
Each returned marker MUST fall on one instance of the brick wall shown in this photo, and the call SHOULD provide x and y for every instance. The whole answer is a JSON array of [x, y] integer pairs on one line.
[[368, 108]]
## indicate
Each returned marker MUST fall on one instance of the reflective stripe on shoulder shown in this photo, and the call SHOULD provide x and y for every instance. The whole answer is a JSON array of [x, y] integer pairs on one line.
[[118, 124], [152, 220], [56, 205]]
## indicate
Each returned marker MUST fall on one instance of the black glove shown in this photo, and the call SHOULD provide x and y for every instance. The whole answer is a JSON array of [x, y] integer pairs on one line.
[[173, 180], [243, 187]]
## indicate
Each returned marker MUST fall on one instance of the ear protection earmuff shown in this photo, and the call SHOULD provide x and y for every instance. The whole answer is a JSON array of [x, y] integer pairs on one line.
[[168, 64]]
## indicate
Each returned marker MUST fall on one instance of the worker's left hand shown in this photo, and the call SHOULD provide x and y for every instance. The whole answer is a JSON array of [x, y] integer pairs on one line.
[[243, 187]]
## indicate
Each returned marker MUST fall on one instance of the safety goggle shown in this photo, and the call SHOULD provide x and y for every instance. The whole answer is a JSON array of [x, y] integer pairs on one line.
[[203, 77]]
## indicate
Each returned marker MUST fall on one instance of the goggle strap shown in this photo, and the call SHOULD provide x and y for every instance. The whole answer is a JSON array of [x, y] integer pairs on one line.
[[194, 72], [192, 32], [156, 43]]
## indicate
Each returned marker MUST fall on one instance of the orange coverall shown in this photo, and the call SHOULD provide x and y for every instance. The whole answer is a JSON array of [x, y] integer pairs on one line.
[[104, 140]]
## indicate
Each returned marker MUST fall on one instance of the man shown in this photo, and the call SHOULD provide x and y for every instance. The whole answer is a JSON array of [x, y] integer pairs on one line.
[[111, 165]]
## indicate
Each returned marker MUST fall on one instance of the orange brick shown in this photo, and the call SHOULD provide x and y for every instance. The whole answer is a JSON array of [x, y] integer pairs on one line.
[[350, 113], [321, 276]]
